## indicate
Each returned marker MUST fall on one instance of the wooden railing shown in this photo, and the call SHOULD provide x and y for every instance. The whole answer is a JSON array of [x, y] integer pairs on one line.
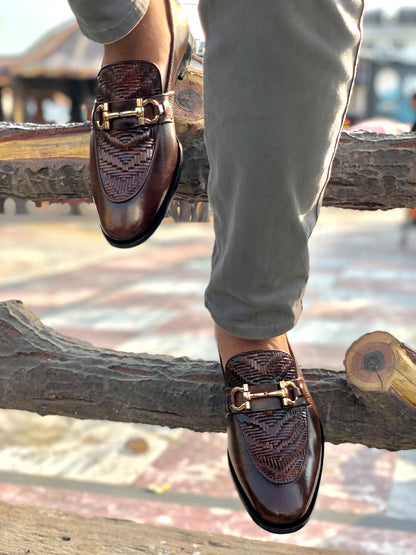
[[373, 402]]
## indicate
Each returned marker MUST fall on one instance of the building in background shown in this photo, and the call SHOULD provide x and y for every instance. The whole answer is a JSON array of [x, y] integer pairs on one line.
[[386, 75], [54, 81]]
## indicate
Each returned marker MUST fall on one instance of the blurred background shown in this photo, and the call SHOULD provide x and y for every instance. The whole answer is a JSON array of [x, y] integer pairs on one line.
[[150, 299], [47, 68]]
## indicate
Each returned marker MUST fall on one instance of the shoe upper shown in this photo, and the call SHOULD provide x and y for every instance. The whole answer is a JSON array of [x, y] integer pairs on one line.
[[135, 157], [274, 442], [126, 151]]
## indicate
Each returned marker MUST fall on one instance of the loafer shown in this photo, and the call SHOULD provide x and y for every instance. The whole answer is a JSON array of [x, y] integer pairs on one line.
[[135, 156], [275, 440]]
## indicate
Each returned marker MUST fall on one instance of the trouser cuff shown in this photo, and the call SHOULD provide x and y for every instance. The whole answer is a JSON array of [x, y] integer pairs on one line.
[[112, 21]]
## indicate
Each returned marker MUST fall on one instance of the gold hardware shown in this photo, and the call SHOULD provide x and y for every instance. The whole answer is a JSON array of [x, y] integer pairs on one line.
[[289, 393], [138, 112]]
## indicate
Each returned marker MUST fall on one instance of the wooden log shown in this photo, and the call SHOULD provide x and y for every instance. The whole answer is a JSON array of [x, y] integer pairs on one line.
[[373, 171], [26, 529], [378, 362], [46, 372], [370, 171]]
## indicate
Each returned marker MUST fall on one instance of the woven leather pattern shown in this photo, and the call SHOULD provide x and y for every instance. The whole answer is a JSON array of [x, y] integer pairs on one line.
[[276, 440], [260, 367], [128, 81], [125, 155]]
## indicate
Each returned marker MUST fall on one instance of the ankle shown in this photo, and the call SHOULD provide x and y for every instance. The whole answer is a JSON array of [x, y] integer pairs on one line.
[[149, 40], [231, 345]]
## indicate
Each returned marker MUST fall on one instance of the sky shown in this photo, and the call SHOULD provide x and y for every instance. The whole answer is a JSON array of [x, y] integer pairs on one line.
[[22, 22]]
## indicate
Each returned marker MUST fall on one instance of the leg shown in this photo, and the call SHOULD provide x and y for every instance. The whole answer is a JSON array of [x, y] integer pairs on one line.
[[131, 38], [277, 83]]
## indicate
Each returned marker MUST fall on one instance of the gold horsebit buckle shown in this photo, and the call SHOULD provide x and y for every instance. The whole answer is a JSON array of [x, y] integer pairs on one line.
[[105, 116], [289, 393]]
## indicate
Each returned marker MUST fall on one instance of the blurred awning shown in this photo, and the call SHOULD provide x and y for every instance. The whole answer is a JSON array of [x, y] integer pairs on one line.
[[63, 53]]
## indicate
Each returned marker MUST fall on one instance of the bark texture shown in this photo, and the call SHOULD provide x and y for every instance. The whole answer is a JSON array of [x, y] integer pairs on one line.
[[46, 372], [50, 162], [373, 171]]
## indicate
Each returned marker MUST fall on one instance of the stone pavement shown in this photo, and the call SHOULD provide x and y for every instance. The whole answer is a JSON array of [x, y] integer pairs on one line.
[[150, 299]]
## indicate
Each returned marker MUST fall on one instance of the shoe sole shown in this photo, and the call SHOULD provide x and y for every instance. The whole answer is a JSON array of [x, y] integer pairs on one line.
[[273, 528]]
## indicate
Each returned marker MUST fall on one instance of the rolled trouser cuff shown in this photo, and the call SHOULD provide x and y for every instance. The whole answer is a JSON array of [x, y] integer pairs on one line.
[[107, 21], [285, 321]]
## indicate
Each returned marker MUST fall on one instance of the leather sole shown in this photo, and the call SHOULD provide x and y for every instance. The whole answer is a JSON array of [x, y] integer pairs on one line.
[[271, 527], [160, 214]]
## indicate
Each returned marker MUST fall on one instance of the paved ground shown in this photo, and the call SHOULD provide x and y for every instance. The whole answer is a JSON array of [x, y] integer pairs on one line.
[[150, 299]]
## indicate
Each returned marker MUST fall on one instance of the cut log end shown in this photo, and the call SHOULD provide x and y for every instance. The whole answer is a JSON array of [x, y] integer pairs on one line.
[[379, 362]]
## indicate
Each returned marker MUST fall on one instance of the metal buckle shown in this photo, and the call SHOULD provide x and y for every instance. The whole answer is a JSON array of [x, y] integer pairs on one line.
[[289, 393], [138, 112]]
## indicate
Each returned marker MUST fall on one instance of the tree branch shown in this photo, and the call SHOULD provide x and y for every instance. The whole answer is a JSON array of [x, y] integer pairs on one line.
[[50, 162], [46, 372]]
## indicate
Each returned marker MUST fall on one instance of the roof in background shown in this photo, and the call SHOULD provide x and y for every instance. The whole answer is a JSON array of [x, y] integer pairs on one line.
[[63, 52]]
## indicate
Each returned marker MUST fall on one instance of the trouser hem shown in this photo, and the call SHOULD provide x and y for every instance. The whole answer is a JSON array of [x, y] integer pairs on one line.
[[109, 34], [248, 332]]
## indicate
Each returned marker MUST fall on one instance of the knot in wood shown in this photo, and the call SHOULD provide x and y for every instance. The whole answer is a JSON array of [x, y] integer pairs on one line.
[[374, 361]]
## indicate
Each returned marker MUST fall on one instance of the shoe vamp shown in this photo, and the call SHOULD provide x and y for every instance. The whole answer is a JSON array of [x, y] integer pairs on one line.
[[125, 160], [128, 81], [257, 368], [277, 442]]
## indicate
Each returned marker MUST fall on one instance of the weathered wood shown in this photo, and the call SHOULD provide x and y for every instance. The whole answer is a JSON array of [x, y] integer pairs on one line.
[[46, 372], [370, 171], [26, 529], [379, 362], [373, 171]]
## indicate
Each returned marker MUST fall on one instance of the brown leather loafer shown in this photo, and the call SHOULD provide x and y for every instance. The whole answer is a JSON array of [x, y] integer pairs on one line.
[[135, 156], [275, 440]]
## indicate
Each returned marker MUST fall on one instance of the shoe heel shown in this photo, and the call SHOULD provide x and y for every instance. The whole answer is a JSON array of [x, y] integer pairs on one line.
[[187, 57]]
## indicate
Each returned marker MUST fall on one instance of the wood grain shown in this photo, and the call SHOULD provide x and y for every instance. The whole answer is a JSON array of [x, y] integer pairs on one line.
[[379, 362]]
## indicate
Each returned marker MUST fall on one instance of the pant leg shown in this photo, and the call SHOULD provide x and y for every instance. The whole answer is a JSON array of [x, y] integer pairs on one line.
[[106, 21], [277, 80]]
